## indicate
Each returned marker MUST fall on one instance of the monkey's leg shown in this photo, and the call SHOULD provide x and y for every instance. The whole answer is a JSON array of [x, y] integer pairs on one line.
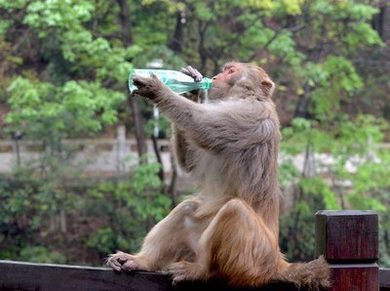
[[236, 246], [169, 240]]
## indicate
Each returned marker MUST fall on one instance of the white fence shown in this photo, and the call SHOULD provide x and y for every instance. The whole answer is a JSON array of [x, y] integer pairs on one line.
[[103, 156], [109, 157]]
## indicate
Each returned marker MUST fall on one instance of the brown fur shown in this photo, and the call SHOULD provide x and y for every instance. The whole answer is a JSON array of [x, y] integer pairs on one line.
[[229, 229]]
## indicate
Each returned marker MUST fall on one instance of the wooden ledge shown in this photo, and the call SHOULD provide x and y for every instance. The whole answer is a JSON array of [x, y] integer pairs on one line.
[[31, 276]]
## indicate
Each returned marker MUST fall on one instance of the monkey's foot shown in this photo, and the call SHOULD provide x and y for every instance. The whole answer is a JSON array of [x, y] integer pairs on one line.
[[185, 271], [124, 262]]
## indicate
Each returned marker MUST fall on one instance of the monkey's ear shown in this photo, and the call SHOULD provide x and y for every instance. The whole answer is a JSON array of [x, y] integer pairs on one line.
[[268, 87]]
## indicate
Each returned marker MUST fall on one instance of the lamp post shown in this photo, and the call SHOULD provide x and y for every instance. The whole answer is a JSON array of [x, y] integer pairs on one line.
[[155, 64], [17, 136]]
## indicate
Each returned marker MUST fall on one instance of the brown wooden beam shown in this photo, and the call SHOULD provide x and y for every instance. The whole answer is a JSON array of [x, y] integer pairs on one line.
[[23, 276], [349, 241], [384, 279]]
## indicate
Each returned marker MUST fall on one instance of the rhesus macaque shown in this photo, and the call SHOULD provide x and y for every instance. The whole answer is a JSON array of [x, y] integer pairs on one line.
[[229, 229]]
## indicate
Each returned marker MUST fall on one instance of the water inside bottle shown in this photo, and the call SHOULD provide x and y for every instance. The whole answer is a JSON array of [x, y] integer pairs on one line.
[[168, 77], [175, 80]]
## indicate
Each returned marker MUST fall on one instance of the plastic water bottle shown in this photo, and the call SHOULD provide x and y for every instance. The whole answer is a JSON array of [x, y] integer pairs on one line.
[[175, 80]]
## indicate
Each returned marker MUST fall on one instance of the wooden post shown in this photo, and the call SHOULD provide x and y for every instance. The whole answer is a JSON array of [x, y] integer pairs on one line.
[[349, 241]]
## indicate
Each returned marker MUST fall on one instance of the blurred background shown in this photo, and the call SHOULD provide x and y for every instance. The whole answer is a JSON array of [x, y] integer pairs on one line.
[[85, 171]]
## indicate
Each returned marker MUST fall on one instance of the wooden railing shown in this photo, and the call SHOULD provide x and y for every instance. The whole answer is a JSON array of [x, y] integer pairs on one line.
[[348, 239]]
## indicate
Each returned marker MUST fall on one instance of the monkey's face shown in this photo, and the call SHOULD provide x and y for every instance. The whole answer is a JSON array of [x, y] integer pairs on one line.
[[241, 80], [228, 73], [224, 81]]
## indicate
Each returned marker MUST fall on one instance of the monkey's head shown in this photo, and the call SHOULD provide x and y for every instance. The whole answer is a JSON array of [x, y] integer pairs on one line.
[[241, 80]]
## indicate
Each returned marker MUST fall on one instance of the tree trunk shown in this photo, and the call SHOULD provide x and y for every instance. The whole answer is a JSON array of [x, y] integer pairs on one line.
[[138, 121], [138, 128], [159, 160], [302, 108], [63, 224], [172, 187], [176, 43], [125, 21], [381, 21], [202, 27], [385, 12]]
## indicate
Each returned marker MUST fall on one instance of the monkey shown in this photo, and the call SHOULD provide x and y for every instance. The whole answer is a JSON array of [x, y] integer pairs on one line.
[[229, 229]]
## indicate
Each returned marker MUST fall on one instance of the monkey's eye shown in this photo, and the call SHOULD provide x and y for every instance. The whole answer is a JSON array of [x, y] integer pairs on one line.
[[230, 71]]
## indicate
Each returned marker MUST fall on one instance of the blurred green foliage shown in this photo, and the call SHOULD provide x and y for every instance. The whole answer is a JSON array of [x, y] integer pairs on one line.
[[109, 215], [343, 169], [63, 70]]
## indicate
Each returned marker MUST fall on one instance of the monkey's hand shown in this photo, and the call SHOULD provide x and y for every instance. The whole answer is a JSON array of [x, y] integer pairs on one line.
[[148, 87], [197, 76], [123, 262], [192, 72]]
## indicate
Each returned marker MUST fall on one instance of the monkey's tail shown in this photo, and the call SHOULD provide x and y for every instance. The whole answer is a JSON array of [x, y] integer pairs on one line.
[[314, 275]]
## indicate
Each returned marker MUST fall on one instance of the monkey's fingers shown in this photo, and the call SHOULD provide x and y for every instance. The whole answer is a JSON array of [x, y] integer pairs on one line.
[[113, 263], [140, 81], [192, 72], [147, 86], [131, 265]]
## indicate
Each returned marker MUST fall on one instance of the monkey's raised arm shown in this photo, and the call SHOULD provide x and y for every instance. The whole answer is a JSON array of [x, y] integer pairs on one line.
[[237, 124]]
